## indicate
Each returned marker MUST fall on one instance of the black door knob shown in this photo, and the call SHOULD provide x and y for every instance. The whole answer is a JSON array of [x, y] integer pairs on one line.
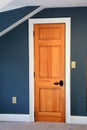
[[59, 83]]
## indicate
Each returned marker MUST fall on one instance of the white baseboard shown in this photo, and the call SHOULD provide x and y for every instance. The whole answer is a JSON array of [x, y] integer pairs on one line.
[[15, 117], [27, 118], [78, 120]]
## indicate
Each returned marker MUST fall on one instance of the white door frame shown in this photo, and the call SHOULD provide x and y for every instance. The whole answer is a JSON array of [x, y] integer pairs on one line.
[[31, 22]]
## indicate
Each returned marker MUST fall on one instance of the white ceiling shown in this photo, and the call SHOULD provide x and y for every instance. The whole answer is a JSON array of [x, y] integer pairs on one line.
[[12, 4]]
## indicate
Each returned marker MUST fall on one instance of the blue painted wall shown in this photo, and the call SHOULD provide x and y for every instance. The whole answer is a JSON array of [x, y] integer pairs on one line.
[[14, 62], [78, 53], [10, 17], [14, 78]]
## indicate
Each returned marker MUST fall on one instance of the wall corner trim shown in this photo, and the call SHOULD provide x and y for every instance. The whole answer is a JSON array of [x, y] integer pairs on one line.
[[21, 20], [15, 117], [78, 120]]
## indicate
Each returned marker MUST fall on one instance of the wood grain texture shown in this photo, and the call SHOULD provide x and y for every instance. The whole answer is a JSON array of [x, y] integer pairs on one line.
[[49, 48]]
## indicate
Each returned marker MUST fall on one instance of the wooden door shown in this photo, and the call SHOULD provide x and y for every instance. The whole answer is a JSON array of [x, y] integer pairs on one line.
[[49, 59]]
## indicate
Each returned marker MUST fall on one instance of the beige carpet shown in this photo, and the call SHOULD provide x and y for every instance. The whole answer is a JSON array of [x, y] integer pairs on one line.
[[40, 126]]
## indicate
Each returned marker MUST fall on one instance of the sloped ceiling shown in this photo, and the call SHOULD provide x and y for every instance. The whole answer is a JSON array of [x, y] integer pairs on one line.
[[13, 4]]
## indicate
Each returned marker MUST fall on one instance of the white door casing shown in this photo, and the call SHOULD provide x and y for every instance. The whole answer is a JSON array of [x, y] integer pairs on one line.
[[31, 22]]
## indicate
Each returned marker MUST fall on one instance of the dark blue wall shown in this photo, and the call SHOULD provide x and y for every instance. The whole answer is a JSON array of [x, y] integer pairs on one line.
[[14, 62], [10, 17], [78, 53], [14, 71]]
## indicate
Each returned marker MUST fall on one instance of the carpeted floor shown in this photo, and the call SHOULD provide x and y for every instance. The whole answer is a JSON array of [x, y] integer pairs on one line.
[[40, 126]]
